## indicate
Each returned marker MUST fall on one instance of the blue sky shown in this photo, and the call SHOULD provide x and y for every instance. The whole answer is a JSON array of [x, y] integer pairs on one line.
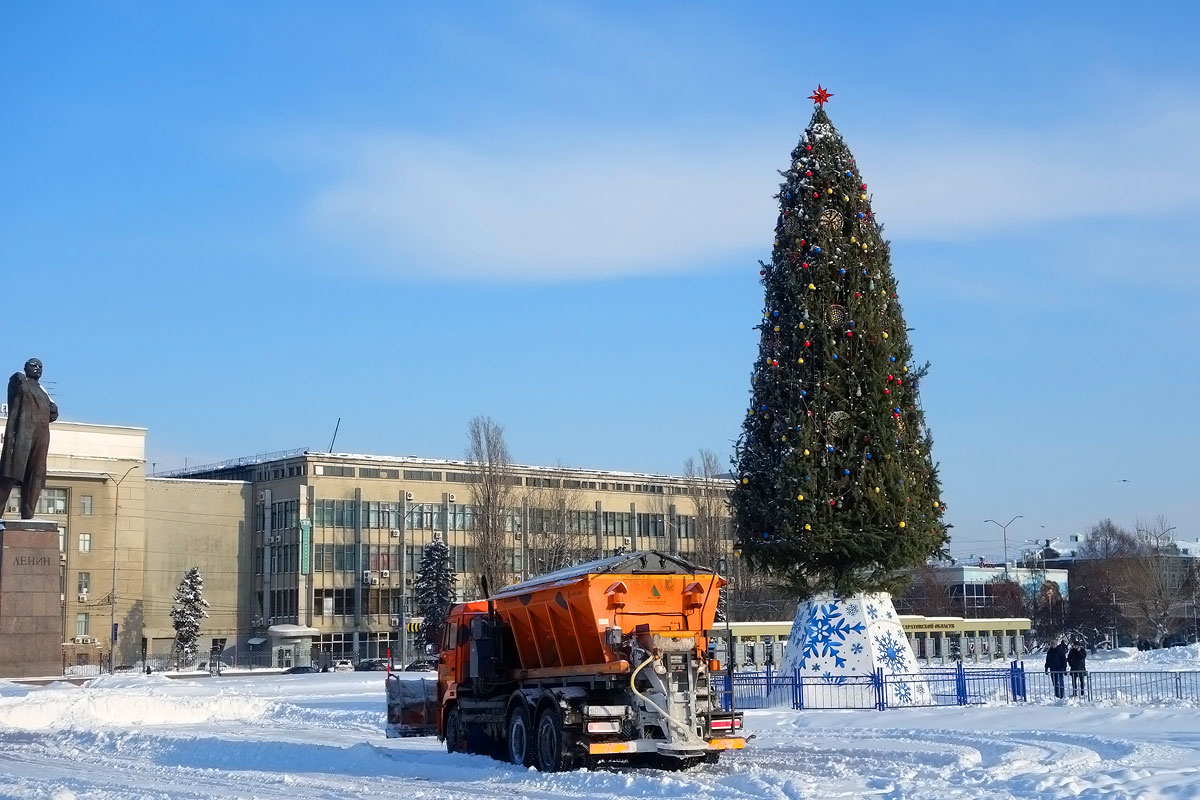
[[234, 224]]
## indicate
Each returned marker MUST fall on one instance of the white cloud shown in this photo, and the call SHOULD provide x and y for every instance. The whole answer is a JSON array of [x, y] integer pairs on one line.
[[540, 211]]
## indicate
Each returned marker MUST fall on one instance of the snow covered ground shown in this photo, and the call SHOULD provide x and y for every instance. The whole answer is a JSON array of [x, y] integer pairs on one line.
[[321, 736]]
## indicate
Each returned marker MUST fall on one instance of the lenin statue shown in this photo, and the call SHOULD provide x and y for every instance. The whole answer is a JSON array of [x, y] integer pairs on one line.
[[26, 438]]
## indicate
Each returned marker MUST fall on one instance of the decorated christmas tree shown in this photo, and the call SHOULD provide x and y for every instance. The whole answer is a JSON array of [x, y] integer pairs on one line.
[[836, 489]]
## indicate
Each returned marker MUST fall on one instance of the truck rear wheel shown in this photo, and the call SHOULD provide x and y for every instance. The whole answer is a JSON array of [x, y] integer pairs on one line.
[[553, 745], [519, 737]]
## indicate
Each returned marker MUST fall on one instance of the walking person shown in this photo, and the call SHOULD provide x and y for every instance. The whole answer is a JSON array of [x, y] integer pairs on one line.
[[1077, 661], [1056, 665]]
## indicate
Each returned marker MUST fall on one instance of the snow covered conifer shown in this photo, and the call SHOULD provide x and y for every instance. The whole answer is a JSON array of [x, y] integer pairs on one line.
[[188, 609], [435, 590]]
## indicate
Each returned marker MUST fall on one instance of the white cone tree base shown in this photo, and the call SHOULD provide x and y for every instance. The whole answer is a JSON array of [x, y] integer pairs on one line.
[[835, 637]]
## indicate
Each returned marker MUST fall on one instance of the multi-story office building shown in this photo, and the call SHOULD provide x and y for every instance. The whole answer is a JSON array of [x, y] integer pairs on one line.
[[336, 539]]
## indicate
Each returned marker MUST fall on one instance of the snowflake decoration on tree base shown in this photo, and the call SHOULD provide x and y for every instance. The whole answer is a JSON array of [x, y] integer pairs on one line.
[[831, 638]]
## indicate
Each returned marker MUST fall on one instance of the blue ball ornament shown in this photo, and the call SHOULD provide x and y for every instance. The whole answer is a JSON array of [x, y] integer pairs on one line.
[[864, 272], [774, 313], [816, 249], [868, 455], [766, 534], [762, 407], [842, 271], [803, 393], [849, 174], [830, 448], [861, 215], [891, 358], [897, 409], [845, 472], [835, 356]]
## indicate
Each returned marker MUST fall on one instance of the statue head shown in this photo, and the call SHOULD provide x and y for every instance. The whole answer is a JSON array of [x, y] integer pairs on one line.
[[33, 368]]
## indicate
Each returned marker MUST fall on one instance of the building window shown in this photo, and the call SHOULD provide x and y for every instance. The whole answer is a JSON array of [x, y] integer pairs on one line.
[[85, 543], [335, 471], [52, 501], [85, 505], [82, 624], [421, 475], [85, 582]]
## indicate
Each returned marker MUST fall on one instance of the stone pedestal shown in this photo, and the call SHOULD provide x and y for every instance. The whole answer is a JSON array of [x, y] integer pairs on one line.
[[834, 638], [30, 602]]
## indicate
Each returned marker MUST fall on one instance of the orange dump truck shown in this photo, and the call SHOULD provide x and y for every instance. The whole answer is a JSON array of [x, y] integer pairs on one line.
[[605, 659]]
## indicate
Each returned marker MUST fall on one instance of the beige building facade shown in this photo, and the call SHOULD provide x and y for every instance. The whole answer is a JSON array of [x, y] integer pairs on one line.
[[126, 540]]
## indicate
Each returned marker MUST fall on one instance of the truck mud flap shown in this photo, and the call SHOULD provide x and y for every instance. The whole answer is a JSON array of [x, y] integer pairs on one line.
[[411, 707]]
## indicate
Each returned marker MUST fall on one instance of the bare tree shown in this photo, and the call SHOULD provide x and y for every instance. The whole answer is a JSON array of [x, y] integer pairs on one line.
[[710, 534], [492, 496], [928, 594], [1159, 580], [557, 535]]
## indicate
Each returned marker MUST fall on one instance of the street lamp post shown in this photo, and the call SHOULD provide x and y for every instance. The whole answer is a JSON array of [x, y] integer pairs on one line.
[[112, 598], [1004, 529]]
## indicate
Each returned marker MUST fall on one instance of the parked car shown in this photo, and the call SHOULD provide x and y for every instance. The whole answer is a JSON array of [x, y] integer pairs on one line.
[[424, 664], [372, 665], [302, 670], [343, 665], [204, 666]]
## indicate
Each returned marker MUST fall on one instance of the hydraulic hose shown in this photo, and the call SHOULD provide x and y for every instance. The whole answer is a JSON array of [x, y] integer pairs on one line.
[[687, 734]]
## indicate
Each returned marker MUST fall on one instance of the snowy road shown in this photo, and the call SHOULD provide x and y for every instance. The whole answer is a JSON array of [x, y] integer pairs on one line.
[[319, 736]]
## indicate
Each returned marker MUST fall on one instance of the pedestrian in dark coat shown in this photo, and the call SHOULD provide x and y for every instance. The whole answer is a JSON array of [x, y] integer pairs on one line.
[[1056, 665], [1077, 661]]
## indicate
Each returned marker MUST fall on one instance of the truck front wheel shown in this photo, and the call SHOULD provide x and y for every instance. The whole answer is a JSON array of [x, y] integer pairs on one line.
[[454, 731], [553, 747], [519, 736]]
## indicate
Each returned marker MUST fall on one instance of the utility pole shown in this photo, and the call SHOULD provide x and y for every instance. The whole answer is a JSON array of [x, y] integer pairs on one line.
[[1004, 529], [112, 598]]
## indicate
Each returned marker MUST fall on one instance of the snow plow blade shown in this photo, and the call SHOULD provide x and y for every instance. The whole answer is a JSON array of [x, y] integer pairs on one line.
[[411, 707]]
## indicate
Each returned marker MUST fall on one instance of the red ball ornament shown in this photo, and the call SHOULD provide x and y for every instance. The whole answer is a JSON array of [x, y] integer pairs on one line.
[[808, 147], [809, 173], [762, 272], [864, 186], [849, 333], [806, 265], [858, 294], [887, 391], [808, 343], [833, 502], [890, 378], [816, 195], [803, 242]]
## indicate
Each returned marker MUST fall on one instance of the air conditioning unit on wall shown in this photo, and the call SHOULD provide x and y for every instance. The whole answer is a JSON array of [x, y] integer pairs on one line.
[[394, 622], [394, 533], [628, 541], [449, 498], [385, 573], [83, 597], [408, 495]]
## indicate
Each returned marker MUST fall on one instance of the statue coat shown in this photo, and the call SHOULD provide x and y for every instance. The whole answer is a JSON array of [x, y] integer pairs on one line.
[[27, 433]]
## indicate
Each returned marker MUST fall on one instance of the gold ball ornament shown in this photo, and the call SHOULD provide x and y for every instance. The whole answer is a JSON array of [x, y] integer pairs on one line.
[[811, 286], [862, 197], [805, 452], [745, 480], [853, 240], [777, 329], [885, 335], [807, 527], [830, 191], [876, 490], [799, 497], [901, 524], [799, 360], [801, 326]]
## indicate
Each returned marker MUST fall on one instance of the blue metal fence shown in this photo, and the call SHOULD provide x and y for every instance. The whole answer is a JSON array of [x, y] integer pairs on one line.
[[950, 686]]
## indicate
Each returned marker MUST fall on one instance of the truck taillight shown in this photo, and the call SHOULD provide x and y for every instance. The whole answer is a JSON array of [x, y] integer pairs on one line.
[[604, 727], [720, 724]]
